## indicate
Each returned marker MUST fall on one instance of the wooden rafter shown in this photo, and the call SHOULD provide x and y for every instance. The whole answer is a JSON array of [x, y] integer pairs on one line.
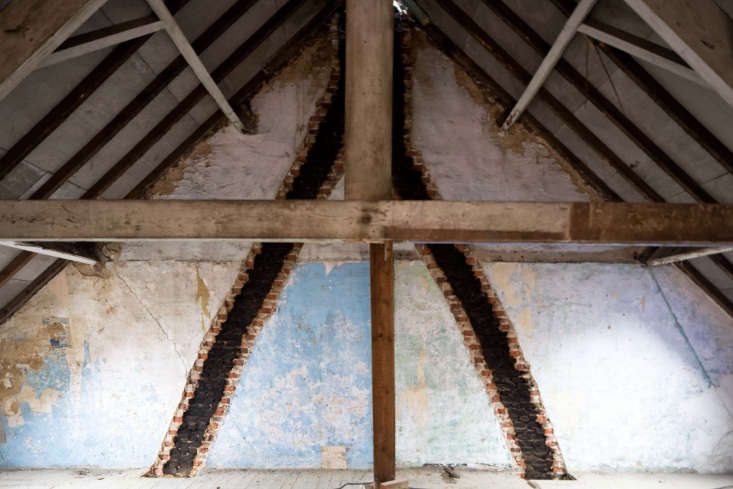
[[276, 62], [605, 106], [190, 101], [665, 100], [368, 176], [640, 76], [700, 32], [73, 100], [553, 55], [142, 100], [522, 75], [32, 29]]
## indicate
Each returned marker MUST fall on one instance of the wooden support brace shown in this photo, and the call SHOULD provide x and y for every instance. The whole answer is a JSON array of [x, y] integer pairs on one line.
[[375, 222], [368, 177], [700, 32], [30, 30]]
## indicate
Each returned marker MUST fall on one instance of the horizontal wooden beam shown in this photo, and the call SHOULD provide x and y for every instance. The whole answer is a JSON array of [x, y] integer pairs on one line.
[[422, 221]]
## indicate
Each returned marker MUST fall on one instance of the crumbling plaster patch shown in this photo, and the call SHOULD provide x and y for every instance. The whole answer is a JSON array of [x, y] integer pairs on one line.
[[69, 398], [469, 158], [232, 165]]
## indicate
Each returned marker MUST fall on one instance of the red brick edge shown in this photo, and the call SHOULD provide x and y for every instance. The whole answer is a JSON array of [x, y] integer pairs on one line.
[[464, 325], [269, 305]]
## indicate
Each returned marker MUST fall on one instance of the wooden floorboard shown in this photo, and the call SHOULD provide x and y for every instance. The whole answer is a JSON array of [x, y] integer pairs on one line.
[[425, 478]]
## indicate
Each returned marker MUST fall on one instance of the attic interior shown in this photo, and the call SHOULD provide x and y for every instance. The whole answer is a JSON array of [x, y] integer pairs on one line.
[[507, 259]]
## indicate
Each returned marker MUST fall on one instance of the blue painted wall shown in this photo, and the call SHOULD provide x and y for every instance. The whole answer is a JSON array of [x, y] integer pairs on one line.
[[307, 382]]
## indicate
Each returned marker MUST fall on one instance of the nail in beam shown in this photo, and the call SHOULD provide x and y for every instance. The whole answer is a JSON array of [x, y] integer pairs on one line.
[[368, 173]]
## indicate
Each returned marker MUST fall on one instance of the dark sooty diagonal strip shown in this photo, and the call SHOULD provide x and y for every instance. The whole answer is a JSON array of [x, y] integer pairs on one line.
[[512, 386], [220, 360]]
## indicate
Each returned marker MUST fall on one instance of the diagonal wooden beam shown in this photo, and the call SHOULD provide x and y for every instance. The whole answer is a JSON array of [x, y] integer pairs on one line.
[[668, 103], [522, 75], [700, 32], [665, 256], [608, 108], [32, 29], [271, 68], [103, 39], [190, 101], [193, 60], [62, 110], [16, 265], [66, 251], [642, 49], [550, 60], [142, 100]]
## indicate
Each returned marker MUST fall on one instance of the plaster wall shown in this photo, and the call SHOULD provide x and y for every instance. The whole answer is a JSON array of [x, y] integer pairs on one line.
[[635, 370]]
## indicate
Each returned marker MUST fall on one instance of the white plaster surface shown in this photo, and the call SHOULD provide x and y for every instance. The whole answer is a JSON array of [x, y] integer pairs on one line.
[[101, 362], [443, 411], [619, 378], [629, 384], [468, 158]]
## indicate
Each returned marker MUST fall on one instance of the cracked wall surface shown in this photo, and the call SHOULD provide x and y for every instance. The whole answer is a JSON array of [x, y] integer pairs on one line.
[[92, 368]]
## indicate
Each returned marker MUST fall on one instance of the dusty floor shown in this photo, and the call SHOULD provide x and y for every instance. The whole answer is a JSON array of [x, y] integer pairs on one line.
[[332, 479]]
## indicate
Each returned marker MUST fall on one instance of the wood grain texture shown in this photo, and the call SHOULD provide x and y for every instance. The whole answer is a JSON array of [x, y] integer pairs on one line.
[[422, 221]]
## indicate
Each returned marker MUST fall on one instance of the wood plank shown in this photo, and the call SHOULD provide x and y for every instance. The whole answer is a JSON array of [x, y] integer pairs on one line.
[[381, 262], [368, 131], [61, 111], [368, 177], [665, 256], [427, 221], [16, 264], [550, 60], [101, 42], [700, 32], [32, 29], [194, 62], [662, 98], [17, 302]]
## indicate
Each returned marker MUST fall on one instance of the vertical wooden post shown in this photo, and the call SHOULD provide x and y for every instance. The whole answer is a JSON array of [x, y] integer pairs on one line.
[[368, 130], [368, 173], [381, 261]]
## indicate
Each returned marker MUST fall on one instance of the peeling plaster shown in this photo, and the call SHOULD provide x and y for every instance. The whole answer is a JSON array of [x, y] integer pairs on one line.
[[468, 156]]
